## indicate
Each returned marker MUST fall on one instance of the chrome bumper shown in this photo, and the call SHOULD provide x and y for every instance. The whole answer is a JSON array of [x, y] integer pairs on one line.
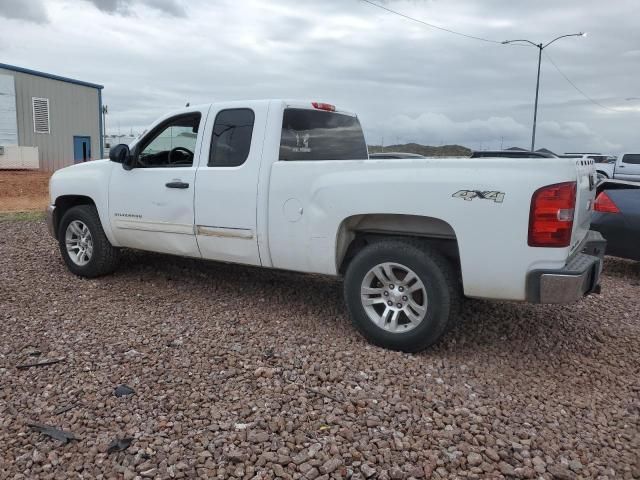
[[51, 215], [579, 277]]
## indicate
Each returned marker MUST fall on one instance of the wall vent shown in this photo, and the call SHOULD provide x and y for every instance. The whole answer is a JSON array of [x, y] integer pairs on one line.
[[41, 115]]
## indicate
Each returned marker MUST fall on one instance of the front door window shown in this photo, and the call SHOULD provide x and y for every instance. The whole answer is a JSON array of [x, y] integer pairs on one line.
[[172, 144]]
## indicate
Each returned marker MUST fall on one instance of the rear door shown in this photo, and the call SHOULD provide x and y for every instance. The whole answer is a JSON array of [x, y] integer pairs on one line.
[[227, 183], [628, 167]]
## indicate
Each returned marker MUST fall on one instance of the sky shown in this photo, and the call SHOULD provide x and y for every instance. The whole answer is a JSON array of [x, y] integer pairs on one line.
[[406, 81]]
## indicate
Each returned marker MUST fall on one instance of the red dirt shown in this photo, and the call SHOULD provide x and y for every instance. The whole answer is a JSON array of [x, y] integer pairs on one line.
[[22, 190]]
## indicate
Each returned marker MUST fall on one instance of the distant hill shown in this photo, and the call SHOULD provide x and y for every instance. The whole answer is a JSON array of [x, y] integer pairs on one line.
[[426, 150]]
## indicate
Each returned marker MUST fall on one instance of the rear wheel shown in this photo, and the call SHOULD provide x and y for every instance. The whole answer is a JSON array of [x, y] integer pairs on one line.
[[83, 244], [401, 295], [601, 176]]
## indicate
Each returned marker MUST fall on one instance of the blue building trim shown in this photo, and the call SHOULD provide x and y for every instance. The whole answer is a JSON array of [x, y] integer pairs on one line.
[[51, 76], [101, 136]]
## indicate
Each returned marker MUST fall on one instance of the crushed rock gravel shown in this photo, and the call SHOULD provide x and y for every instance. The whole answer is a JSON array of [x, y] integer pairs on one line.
[[246, 373]]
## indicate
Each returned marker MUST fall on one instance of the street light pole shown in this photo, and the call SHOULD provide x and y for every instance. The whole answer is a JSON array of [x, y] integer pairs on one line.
[[540, 48], [535, 108]]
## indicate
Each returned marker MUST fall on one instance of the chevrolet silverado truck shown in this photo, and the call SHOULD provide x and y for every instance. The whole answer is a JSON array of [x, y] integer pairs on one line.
[[290, 185]]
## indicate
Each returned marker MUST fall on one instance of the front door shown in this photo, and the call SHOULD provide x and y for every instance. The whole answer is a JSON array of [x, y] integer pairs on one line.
[[151, 205], [227, 184], [81, 149]]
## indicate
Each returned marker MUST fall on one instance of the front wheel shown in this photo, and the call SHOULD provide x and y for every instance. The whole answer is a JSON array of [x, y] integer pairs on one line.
[[83, 244], [401, 295]]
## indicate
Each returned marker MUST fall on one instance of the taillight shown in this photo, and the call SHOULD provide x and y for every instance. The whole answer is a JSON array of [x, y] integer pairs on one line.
[[551, 217], [324, 106], [603, 203]]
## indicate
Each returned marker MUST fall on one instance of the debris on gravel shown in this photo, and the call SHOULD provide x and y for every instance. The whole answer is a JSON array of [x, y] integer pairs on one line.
[[53, 432], [119, 445], [64, 409], [41, 363], [243, 373], [123, 391]]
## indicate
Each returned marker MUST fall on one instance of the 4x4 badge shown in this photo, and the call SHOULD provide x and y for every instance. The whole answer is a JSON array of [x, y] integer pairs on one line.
[[469, 195]]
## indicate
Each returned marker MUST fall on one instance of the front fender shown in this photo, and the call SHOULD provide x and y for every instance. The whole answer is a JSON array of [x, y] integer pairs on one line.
[[85, 180]]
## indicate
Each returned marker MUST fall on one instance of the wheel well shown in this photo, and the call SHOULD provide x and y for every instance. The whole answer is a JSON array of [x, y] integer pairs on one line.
[[359, 231], [603, 173], [64, 203]]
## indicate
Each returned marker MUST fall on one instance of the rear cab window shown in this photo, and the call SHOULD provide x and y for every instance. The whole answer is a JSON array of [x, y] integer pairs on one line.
[[309, 135]]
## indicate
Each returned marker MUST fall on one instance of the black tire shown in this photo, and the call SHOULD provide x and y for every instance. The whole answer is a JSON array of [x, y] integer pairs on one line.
[[104, 258], [439, 280]]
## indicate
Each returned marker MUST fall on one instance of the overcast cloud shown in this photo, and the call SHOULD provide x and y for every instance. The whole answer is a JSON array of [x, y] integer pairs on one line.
[[407, 82]]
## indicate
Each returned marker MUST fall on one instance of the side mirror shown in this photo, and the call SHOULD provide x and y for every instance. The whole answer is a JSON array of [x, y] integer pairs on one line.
[[119, 154]]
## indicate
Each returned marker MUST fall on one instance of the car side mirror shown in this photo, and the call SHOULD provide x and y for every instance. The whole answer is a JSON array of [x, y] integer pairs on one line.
[[119, 154]]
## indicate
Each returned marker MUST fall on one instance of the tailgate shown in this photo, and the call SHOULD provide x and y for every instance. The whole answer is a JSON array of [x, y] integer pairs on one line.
[[585, 194]]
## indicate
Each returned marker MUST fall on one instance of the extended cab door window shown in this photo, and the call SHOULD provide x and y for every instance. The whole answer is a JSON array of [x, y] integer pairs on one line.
[[231, 138], [170, 144], [320, 135]]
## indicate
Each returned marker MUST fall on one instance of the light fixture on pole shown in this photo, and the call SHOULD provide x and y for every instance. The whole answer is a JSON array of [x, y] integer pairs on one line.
[[540, 47]]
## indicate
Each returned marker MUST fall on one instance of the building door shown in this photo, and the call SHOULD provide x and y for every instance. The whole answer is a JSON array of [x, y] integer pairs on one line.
[[81, 149]]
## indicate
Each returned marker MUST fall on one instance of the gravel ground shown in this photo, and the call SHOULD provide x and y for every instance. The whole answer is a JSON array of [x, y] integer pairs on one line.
[[247, 373]]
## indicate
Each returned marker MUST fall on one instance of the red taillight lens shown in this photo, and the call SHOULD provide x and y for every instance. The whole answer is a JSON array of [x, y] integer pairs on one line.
[[551, 217], [324, 106], [603, 203]]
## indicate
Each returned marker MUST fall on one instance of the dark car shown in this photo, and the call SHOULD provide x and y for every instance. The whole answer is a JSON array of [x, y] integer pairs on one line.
[[617, 217], [395, 155], [511, 154]]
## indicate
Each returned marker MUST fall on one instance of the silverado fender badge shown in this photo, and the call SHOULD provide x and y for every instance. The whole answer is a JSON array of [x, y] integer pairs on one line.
[[469, 195]]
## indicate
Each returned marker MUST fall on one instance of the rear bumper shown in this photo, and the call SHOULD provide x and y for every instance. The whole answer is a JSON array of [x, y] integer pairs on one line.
[[51, 215], [579, 277]]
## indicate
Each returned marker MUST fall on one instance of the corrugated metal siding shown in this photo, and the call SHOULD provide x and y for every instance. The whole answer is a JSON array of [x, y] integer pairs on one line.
[[8, 122], [73, 110]]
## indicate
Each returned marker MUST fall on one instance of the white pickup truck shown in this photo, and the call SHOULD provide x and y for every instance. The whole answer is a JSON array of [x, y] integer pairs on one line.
[[289, 185], [626, 167]]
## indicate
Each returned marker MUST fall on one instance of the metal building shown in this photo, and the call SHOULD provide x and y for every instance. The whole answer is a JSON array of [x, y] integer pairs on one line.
[[60, 116]]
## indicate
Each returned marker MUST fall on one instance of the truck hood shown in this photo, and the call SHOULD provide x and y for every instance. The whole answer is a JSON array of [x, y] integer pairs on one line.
[[85, 166]]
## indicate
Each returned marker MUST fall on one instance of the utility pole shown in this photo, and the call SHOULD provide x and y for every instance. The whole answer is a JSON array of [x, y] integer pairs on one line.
[[105, 110], [540, 48]]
